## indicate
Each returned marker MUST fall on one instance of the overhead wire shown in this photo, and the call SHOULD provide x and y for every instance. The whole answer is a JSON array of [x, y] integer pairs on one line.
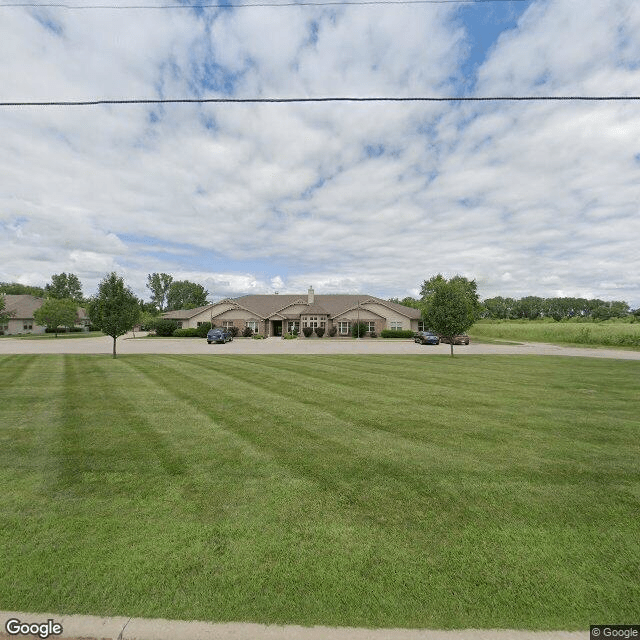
[[133, 101]]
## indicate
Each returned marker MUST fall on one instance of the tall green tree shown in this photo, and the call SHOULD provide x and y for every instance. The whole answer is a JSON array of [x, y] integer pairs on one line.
[[65, 285], [115, 309], [159, 285], [55, 313], [452, 307], [186, 295]]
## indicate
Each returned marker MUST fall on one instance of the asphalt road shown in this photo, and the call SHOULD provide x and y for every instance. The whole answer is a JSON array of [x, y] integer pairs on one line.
[[141, 344]]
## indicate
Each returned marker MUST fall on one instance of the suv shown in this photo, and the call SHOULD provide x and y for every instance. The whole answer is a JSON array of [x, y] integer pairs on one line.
[[219, 335], [426, 337]]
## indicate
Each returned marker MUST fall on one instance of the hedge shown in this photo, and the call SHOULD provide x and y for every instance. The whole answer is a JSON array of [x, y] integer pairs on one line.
[[394, 333]]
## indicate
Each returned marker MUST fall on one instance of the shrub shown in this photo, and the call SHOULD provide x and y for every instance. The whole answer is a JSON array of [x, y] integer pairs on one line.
[[258, 336], [333, 331], [307, 331], [358, 329], [319, 331], [234, 331], [247, 332], [165, 327], [189, 332], [203, 329], [373, 334], [290, 336], [394, 333]]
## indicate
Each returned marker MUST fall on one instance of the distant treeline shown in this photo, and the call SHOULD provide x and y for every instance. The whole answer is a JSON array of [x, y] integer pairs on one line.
[[533, 308]]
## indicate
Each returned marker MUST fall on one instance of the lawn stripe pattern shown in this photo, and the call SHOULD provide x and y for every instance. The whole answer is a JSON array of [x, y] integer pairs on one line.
[[341, 490]]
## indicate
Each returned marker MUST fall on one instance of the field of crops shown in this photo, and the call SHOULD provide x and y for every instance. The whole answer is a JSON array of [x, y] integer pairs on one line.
[[606, 334]]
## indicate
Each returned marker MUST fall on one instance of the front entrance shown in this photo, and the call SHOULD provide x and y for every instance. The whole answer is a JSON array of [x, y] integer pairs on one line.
[[276, 326]]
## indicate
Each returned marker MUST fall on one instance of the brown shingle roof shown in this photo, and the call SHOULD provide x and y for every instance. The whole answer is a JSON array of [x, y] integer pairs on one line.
[[331, 304], [22, 307]]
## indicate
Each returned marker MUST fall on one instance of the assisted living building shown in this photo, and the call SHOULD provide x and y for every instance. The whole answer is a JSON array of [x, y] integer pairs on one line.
[[276, 314]]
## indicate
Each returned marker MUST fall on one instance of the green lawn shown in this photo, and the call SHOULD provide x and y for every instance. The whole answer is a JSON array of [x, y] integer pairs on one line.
[[341, 490], [52, 336]]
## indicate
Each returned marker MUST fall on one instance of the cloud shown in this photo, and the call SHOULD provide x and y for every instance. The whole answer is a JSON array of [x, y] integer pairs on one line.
[[530, 199]]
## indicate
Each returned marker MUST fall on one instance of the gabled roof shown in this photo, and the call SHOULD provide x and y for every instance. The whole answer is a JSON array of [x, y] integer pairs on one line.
[[21, 307], [265, 305], [185, 314]]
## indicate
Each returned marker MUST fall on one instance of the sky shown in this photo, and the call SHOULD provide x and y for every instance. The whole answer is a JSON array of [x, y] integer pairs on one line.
[[527, 198]]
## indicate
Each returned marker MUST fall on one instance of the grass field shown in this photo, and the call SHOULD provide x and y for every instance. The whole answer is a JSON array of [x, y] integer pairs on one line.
[[342, 490], [605, 334]]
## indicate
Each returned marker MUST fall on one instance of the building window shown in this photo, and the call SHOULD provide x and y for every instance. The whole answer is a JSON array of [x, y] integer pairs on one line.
[[371, 326], [344, 328], [310, 321], [227, 324], [179, 324], [27, 326], [293, 325], [422, 325], [396, 326], [253, 325]]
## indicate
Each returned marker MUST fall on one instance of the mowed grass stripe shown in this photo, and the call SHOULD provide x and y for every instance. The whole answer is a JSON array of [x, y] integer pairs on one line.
[[291, 507]]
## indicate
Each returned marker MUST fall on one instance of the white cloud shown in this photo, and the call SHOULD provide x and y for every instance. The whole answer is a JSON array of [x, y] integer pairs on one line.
[[527, 198]]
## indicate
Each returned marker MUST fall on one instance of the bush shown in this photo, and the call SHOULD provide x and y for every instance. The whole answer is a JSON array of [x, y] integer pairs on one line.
[[165, 327], [307, 331], [358, 329], [234, 331], [319, 331], [247, 332], [333, 331], [394, 333], [373, 334], [203, 329], [190, 332], [258, 336]]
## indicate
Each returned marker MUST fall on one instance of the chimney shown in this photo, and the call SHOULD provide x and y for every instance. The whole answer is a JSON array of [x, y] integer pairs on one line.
[[310, 296]]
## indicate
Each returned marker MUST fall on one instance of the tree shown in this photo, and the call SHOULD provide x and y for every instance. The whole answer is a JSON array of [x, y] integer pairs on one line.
[[65, 286], [159, 285], [115, 309], [186, 295], [452, 307], [4, 314], [55, 313], [17, 289]]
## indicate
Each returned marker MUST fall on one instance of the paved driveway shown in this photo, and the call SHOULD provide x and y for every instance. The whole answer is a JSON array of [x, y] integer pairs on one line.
[[141, 344]]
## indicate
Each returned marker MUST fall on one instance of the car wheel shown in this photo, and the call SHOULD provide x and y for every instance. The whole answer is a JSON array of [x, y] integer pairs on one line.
[[208, 341]]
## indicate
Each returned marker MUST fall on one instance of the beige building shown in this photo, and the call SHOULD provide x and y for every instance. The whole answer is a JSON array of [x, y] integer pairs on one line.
[[21, 309], [274, 315]]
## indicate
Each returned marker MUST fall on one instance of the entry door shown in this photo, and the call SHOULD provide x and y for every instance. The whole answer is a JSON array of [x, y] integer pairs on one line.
[[277, 327]]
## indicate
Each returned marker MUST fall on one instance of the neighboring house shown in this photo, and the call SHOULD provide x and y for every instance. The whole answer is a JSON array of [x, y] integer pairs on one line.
[[21, 309], [275, 314]]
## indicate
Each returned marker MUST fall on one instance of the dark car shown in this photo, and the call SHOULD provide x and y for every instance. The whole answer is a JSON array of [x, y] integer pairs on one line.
[[219, 335], [426, 337], [461, 339]]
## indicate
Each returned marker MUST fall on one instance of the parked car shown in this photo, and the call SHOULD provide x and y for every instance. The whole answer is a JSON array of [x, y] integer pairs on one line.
[[461, 339], [426, 337], [219, 336]]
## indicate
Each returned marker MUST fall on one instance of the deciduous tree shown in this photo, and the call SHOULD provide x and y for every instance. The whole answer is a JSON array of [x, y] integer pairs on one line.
[[63, 286], [186, 295], [452, 307], [159, 285], [115, 309], [55, 313]]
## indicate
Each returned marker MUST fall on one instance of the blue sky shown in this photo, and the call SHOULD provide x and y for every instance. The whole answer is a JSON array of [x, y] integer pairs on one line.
[[528, 199]]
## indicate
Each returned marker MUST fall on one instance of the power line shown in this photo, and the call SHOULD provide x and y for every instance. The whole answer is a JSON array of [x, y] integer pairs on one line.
[[91, 103], [245, 5]]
